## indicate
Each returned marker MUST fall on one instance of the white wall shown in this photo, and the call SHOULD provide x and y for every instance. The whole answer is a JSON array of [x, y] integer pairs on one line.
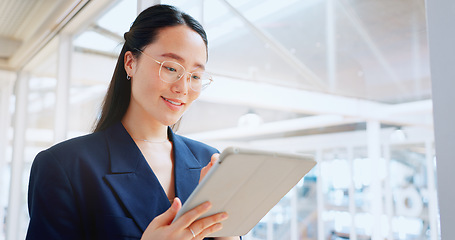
[[441, 32]]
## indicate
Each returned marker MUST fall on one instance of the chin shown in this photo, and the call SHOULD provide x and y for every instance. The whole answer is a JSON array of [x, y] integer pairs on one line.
[[170, 122]]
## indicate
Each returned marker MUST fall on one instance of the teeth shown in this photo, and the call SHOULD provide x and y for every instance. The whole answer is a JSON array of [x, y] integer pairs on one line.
[[175, 103]]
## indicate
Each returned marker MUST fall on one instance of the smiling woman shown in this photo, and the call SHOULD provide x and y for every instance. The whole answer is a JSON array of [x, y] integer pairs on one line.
[[157, 101], [128, 179]]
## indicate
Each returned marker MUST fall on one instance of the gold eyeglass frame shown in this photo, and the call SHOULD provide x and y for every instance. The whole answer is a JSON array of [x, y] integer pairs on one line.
[[180, 77]]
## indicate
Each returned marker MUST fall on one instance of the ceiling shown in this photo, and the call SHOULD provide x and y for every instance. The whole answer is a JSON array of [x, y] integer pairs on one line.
[[375, 50], [26, 26]]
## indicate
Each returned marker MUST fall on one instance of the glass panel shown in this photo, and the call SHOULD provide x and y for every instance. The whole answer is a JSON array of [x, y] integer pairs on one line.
[[370, 50], [283, 43], [362, 179], [120, 17], [374, 50], [335, 187], [409, 183], [95, 41], [87, 91], [307, 206]]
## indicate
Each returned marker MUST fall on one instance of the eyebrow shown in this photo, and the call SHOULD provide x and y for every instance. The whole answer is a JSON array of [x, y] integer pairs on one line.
[[178, 58]]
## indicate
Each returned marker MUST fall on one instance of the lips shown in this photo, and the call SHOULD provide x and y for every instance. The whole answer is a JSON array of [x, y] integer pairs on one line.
[[173, 101]]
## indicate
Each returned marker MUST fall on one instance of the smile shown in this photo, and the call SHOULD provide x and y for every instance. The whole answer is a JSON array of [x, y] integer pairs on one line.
[[172, 102]]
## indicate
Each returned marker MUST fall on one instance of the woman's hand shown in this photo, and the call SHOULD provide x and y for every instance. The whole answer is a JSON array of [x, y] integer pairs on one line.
[[206, 169], [187, 226]]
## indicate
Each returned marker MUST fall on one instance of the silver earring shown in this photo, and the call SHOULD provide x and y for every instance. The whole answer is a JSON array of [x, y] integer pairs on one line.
[[128, 77]]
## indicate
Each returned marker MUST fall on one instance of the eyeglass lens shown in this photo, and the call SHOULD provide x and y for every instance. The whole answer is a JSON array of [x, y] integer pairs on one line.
[[171, 72]]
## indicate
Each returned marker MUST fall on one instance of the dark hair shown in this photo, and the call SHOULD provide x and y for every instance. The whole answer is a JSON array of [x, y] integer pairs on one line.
[[143, 31]]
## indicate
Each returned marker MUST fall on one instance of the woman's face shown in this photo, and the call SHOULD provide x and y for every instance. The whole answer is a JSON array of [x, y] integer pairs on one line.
[[153, 99]]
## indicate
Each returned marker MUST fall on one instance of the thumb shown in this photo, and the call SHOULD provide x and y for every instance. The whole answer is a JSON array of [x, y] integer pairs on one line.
[[206, 169], [214, 158], [167, 217]]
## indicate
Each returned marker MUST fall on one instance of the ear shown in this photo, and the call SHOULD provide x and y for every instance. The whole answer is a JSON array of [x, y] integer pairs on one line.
[[130, 63]]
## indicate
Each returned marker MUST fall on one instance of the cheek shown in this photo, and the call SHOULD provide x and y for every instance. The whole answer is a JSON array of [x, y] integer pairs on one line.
[[193, 96], [146, 86], [140, 88]]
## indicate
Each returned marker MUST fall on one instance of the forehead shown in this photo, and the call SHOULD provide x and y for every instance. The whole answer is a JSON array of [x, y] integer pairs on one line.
[[180, 40]]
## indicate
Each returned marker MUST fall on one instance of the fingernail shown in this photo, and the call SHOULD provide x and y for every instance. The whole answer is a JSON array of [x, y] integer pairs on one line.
[[174, 204], [218, 227], [224, 216], [207, 204]]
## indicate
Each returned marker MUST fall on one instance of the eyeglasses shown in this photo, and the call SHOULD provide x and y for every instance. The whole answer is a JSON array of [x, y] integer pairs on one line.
[[171, 72]]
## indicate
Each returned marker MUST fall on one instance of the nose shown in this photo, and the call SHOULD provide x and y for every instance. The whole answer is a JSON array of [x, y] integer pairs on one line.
[[182, 85]]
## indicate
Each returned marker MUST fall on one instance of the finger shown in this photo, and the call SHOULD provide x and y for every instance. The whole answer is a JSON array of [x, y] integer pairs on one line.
[[210, 164], [193, 234], [206, 169], [167, 217], [214, 158], [204, 223], [189, 217], [206, 232]]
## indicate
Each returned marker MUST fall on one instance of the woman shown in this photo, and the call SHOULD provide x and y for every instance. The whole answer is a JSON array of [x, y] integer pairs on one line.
[[128, 179]]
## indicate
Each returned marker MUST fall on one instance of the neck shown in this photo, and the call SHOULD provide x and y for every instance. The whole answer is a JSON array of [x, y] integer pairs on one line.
[[140, 128]]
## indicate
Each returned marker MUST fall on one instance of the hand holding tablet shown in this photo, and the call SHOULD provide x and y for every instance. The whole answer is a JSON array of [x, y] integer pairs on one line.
[[246, 184]]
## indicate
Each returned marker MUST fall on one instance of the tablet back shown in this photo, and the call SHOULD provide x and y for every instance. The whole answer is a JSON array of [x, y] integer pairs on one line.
[[247, 184]]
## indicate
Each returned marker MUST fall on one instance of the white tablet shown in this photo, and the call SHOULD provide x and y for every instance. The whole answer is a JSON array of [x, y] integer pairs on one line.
[[246, 184]]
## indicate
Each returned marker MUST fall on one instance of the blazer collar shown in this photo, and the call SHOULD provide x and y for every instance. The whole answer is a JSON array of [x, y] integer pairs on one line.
[[187, 168], [133, 181], [124, 155]]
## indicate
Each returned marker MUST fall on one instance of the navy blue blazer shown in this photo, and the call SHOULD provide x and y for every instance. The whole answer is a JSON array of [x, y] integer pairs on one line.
[[100, 186]]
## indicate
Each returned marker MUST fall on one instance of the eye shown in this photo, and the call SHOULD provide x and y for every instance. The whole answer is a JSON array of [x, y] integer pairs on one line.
[[197, 76], [171, 69]]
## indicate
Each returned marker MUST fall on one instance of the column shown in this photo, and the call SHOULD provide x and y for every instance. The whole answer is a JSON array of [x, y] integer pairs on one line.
[[294, 211], [270, 223], [331, 44], [6, 91], [352, 205], [441, 37], [20, 125], [374, 156], [432, 194], [62, 89], [320, 196], [388, 192]]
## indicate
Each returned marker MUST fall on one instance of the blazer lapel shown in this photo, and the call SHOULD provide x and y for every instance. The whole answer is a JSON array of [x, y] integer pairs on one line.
[[187, 168], [132, 179]]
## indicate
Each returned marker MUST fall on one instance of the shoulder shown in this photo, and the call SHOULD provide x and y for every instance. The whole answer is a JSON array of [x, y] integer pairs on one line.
[[63, 154], [79, 145]]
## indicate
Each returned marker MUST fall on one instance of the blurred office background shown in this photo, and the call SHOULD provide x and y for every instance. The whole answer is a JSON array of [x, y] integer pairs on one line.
[[347, 81]]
